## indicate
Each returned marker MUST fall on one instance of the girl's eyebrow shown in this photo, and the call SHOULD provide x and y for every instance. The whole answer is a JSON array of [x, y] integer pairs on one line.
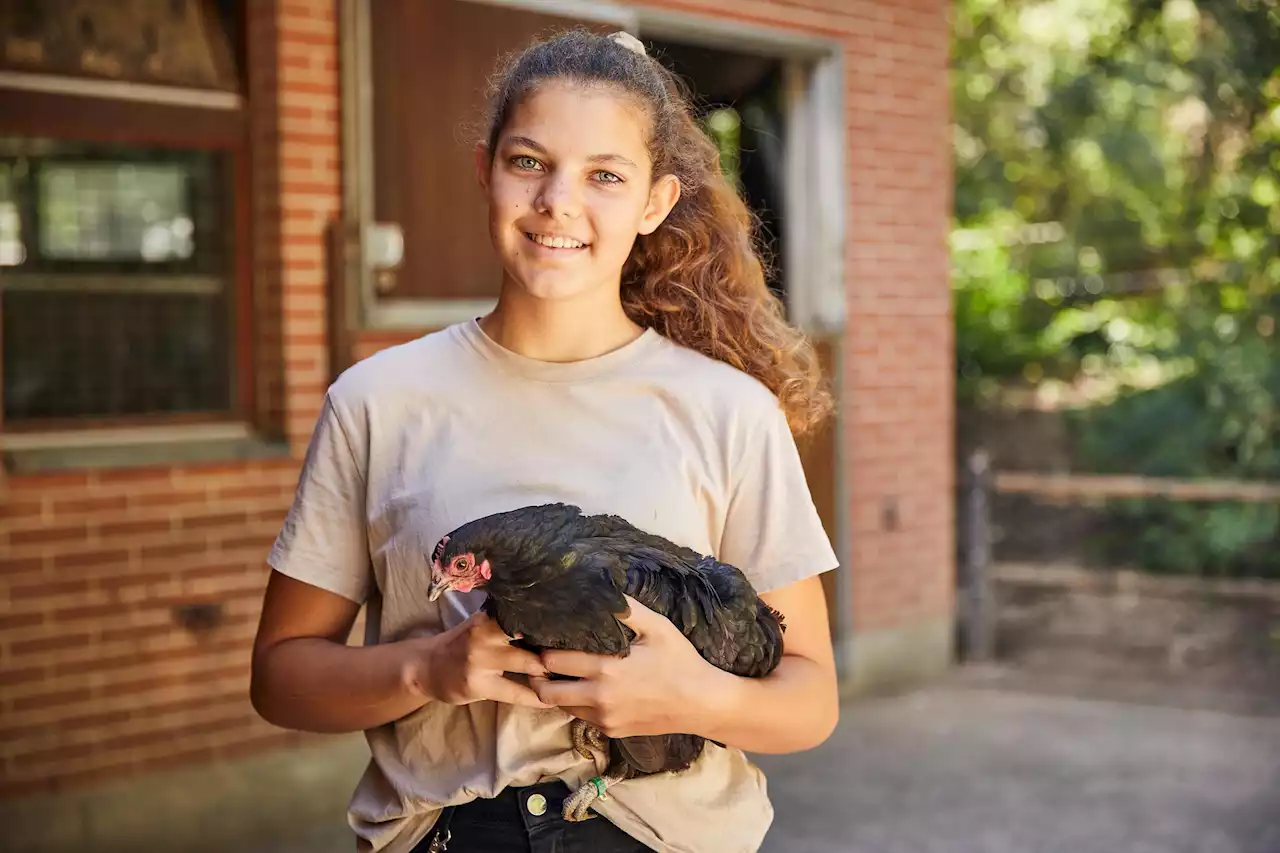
[[526, 142]]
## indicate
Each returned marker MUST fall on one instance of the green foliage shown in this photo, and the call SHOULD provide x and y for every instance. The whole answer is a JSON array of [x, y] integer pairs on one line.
[[1000, 332], [1148, 132], [1220, 420]]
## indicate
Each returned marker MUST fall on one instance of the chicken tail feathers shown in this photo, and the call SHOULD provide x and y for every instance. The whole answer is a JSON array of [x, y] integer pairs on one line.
[[660, 753], [646, 753]]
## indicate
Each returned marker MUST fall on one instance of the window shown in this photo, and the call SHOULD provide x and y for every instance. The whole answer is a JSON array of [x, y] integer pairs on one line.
[[124, 278], [118, 282]]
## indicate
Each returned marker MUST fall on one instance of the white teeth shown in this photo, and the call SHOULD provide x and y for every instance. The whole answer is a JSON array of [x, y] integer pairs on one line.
[[555, 242]]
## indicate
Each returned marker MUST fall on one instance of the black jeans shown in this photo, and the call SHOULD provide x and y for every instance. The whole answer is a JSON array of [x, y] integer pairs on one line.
[[507, 824]]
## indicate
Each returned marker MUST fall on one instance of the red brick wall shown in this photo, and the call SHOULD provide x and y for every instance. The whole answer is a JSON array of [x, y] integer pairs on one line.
[[97, 678], [900, 331]]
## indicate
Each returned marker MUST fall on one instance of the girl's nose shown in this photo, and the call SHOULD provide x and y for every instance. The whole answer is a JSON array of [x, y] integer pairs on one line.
[[559, 198]]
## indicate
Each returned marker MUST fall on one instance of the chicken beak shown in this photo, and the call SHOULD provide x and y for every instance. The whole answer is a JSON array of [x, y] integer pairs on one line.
[[437, 587]]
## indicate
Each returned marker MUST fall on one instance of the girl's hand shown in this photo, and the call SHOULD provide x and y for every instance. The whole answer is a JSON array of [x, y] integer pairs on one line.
[[662, 687], [466, 664]]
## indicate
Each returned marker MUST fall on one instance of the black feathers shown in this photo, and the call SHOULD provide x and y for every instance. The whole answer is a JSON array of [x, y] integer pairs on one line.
[[558, 579]]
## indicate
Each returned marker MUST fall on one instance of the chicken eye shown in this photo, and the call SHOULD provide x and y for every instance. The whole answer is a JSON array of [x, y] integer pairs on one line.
[[461, 564]]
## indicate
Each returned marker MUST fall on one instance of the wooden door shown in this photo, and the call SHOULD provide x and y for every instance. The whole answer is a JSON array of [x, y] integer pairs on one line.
[[819, 456], [430, 60]]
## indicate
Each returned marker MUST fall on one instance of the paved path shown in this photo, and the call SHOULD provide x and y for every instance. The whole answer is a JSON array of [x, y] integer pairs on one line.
[[966, 770], [957, 767]]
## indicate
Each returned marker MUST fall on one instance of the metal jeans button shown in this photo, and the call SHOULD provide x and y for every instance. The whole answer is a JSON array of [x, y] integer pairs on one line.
[[537, 805]]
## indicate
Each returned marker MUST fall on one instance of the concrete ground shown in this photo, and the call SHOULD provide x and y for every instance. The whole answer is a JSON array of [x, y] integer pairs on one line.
[[962, 769], [957, 767]]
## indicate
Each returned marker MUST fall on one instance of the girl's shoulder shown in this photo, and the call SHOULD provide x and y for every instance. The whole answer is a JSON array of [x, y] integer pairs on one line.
[[397, 369], [713, 383]]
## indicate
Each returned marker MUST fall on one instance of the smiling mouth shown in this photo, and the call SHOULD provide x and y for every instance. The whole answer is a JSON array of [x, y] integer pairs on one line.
[[566, 243]]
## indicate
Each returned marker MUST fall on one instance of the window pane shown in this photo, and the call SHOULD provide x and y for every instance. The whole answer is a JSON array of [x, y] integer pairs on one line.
[[114, 211], [117, 290], [86, 207], [12, 252], [102, 354]]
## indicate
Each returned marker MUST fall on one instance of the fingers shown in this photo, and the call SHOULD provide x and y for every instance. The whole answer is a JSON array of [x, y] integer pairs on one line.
[[501, 657], [580, 664], [485, 627], [475, 620], [505, 690], [492, 649], [641, 619], [565, 694], [518, 660], [583, 712], [586, 713]]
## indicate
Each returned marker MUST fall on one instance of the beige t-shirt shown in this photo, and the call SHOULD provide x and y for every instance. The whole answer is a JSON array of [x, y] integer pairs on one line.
[[418, 439]]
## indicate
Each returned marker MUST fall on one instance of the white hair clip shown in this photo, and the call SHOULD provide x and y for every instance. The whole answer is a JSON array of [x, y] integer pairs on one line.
[[628, 41]]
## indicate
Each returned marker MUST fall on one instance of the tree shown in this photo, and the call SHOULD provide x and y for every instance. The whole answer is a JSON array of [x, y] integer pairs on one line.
[[1148, 133]]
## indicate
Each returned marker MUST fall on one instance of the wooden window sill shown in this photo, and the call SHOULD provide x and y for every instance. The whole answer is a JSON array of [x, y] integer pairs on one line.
[[134, 447]]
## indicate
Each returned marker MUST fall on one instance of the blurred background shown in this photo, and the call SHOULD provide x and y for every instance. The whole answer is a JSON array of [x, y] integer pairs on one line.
[[1116, 271], [1037, 243]]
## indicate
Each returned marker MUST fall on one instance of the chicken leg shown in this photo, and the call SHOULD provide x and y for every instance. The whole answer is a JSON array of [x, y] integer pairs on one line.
[[577, 806], [586, 737]]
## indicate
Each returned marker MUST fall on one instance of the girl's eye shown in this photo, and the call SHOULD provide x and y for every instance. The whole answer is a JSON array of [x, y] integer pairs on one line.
[[608, 178], [525, 162]]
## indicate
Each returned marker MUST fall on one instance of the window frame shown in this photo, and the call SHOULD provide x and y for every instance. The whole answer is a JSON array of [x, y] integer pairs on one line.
[[151, 116]]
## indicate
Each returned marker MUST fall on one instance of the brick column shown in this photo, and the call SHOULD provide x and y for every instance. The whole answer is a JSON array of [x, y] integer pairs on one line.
[[900, 394], [294, 92]]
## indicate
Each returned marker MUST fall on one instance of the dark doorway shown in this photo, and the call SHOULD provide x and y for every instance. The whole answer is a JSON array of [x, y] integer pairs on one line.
[[739, 97]]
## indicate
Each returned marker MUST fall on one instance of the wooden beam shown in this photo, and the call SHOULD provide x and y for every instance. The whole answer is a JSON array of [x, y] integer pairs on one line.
[[1097, 486]]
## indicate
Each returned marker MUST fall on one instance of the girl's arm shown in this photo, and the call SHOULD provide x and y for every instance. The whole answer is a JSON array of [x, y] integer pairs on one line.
[[797, 706], [665, 686], [306, 677]]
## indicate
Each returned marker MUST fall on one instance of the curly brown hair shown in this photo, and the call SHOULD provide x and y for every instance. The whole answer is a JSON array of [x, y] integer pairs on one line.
[[699, 279]]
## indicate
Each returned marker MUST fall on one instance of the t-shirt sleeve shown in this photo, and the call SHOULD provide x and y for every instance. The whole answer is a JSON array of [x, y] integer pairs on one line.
[[772, 530], [324, 539]]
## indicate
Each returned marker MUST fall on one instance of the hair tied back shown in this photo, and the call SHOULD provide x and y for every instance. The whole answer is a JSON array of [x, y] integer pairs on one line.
[[701, 278], [630, 42]]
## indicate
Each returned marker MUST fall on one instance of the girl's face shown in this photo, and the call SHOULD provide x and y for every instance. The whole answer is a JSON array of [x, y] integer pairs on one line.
[[569, 189]]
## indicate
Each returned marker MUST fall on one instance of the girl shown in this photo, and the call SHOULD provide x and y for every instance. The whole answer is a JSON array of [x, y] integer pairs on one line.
[[635, 364]]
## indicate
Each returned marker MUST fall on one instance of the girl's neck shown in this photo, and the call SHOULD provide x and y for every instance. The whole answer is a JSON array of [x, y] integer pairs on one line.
[[562, 330]]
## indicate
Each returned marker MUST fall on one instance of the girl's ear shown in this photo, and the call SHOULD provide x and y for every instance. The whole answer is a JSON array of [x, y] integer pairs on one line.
[[484, 163], [662, 198]]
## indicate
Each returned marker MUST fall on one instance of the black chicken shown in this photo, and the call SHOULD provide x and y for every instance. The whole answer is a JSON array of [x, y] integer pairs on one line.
[[557, 577]]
